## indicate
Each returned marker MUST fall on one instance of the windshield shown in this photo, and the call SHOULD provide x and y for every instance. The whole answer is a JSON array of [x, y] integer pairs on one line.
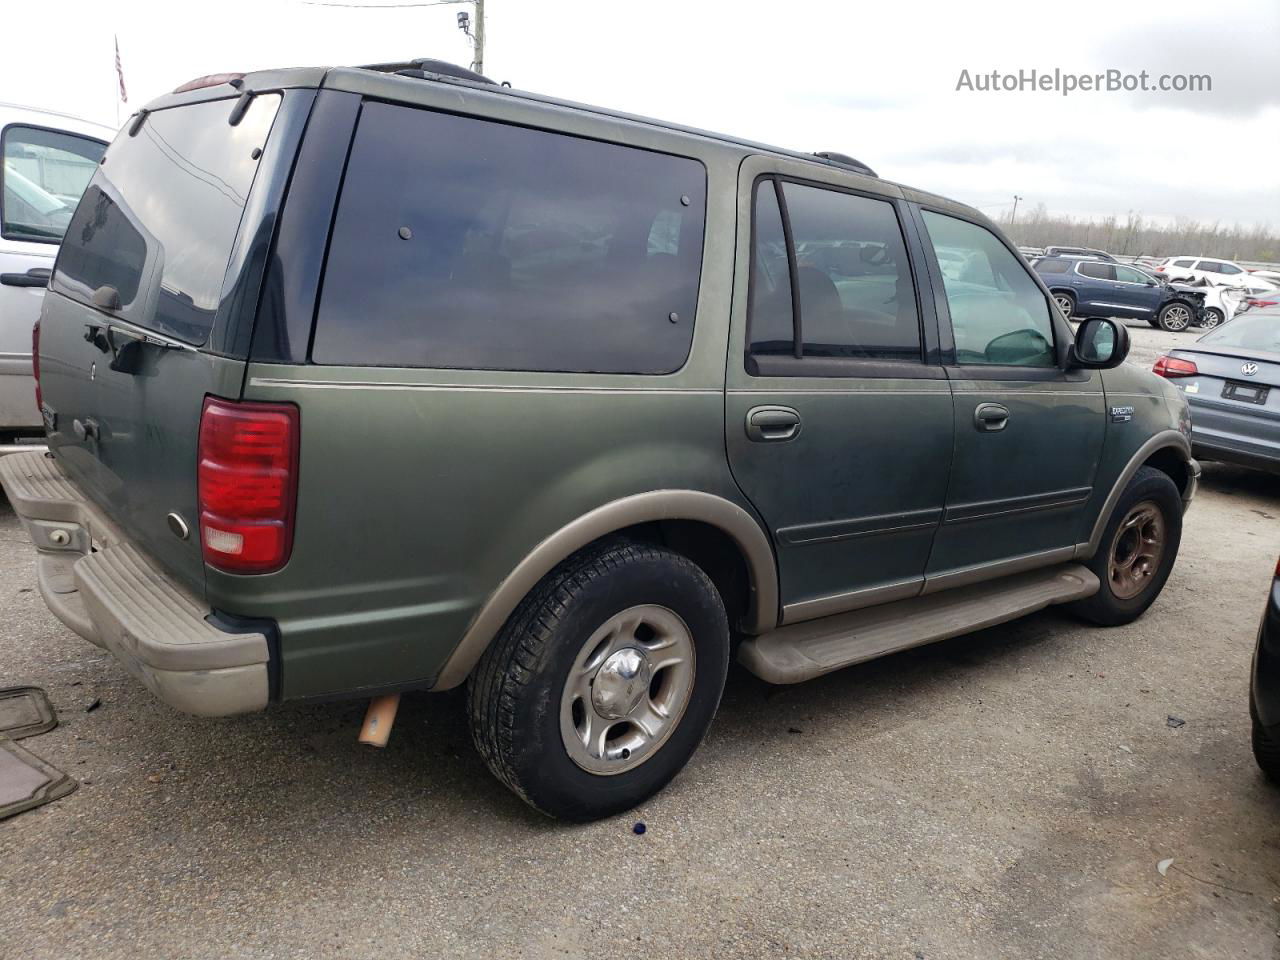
[[1252, 332], [161, 215]]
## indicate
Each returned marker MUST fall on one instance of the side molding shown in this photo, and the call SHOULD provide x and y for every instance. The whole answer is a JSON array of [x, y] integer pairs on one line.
[[1166, 438], [617, 515]]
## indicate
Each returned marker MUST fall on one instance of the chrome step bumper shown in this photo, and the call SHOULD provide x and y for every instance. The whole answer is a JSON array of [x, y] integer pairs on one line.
[[806, 650], [105, 589]]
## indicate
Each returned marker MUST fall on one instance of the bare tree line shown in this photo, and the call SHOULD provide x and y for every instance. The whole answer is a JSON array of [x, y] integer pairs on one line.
[[1133, 236]]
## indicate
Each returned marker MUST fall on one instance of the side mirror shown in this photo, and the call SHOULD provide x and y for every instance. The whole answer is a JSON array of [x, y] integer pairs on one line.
[[1100, 344]]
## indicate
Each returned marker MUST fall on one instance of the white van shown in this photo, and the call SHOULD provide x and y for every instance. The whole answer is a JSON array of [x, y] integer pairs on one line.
[[48, 159]]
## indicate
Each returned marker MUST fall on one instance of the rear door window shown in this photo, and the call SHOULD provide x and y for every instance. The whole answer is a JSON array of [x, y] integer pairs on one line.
[[44, 174], [1052, 266], [998, 313], [160, 217], [854, 290], [1096, 270], [467, 243]]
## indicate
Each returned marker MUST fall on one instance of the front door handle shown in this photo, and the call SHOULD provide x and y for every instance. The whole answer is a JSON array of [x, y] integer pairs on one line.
[[772, 424], [990, 417]]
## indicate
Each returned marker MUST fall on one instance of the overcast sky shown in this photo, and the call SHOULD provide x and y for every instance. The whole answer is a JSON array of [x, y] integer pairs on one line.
[[877, 81]]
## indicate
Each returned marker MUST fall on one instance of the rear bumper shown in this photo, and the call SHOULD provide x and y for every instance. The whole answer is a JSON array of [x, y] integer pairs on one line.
[[1216, 447], [105, 589]]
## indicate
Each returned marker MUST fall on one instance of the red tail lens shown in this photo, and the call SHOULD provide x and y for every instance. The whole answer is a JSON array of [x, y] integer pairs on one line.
[[35, 362], [248, 483], [1173, 367], [210, 80], [1263, 303]]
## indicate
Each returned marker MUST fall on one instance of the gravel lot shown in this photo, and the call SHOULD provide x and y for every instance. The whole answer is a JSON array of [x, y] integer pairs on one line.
[[1004, 794]]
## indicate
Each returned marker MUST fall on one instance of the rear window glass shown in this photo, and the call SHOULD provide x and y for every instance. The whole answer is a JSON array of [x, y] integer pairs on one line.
[[465, 243], [160, 216]]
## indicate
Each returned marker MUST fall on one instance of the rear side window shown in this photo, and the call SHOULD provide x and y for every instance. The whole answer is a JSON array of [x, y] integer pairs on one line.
[[161, 215], [465, 243], [853, 281], [998, 313], [1183, 263], [44, 174], [1051, 266], [1096, 270]]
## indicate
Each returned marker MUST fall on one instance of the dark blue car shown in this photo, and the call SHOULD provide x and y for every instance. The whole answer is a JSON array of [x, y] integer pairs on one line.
[[1264, 691], [1096, 288]]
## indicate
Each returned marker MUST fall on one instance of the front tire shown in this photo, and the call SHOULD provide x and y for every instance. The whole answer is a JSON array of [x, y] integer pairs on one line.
[[1137, 550], [603, 682], [1174, 317], [1212, 317]]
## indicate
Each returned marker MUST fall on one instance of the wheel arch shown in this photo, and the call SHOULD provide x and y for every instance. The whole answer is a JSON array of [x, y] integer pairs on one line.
[[717, 534], [1168, 451]]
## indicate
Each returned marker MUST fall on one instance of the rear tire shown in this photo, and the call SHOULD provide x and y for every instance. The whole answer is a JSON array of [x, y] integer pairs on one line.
[[1212, 317], [1066, 303], [1130, 565], [622, 623]]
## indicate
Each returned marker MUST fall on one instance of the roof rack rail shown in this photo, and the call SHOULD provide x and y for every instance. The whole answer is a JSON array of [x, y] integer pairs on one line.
[[844, 160], [423, 67]]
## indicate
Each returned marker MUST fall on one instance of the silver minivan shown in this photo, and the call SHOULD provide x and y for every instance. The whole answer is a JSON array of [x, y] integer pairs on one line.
[[48, 160]]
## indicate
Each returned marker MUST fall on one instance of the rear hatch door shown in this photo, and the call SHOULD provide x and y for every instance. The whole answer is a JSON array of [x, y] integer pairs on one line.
[[128, 350]]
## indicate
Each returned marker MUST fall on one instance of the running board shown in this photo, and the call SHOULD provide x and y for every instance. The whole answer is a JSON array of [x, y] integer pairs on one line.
[[803, 651]]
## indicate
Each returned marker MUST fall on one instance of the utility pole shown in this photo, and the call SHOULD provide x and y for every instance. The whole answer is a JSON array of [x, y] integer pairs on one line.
[[478, 40], [1013, 217]]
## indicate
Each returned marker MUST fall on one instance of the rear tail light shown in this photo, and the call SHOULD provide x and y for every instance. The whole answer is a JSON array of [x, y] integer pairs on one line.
[[1173, 367], [247, 478], [35, 362], [1254, 302]]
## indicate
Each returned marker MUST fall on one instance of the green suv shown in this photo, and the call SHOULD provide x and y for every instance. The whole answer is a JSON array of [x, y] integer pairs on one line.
[[366, 380]]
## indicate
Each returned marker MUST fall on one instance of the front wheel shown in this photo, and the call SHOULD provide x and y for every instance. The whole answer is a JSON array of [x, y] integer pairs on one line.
[[1212, 317], [1174, 317], [1137, 551], [603, 682]]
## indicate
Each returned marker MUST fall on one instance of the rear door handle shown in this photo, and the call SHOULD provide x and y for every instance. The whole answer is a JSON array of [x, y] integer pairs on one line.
[[35, 277], [772, 424], [990, 417]]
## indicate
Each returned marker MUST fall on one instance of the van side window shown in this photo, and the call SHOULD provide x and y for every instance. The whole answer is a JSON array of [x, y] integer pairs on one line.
[[44, 173], [471, 244], [854, 286]]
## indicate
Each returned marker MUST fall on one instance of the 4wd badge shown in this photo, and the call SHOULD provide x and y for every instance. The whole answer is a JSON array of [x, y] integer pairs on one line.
[[1121, 414]]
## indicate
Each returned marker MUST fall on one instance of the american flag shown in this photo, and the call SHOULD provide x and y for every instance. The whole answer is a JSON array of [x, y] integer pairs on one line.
[[124, 97]]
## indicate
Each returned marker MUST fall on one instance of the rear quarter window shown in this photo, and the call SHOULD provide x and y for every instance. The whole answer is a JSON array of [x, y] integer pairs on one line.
[[467, 243]]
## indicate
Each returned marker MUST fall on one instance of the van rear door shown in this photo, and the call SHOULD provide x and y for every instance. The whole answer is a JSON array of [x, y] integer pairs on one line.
[[133, 330]]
